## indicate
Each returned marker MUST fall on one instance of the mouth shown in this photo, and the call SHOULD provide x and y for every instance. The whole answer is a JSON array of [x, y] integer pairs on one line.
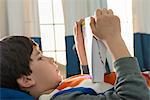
[[58, 71]]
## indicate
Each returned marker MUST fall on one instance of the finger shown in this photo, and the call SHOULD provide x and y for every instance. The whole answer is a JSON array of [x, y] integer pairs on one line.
[[98, 12], [117, 18], [104, 11], [110, 12], [81, 20], [92, 25]]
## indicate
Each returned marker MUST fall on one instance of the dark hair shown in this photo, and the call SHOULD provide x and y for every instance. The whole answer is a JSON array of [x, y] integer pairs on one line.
[[15, 52]]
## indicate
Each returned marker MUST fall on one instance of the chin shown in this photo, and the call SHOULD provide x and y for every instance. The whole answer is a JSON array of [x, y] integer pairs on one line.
[[60, 78], [57, 83]]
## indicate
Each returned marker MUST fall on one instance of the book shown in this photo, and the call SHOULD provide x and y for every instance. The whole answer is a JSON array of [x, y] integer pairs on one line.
[[99, 60]]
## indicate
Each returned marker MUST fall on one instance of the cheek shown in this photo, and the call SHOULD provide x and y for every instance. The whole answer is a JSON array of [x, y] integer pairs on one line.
[[50, 77], [45, 72]]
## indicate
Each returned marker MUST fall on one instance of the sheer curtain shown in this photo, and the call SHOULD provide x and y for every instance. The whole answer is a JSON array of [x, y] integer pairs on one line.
[[141, 28], [3, 19], [141, 15], [76, 9], [19, 17]]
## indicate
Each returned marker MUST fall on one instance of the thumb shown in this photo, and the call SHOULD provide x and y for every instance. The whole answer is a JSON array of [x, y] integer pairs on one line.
[[79, 24]]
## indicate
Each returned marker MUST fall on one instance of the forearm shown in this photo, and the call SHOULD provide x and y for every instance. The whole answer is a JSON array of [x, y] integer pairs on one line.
[[81, 55], [117, 48], [79, 43]]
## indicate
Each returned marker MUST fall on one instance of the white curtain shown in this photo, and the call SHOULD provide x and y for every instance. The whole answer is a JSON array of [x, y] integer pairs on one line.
[[76, 9], [19, 17], [141, 16], [3, 19]]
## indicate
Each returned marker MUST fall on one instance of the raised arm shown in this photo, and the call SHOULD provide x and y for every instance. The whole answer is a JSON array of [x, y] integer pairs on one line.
[[130, 85], [79, 43]]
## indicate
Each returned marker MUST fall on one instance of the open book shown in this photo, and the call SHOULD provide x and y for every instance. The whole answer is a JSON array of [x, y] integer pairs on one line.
[[96, 53]]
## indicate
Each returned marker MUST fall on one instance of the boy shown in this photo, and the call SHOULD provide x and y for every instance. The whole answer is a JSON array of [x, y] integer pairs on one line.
[[30, 71]]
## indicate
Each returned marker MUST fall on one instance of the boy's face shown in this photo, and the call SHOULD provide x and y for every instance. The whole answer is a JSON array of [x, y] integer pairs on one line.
[[44, 71]]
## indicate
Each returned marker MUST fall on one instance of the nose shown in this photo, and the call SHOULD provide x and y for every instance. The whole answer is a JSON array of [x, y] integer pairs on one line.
[[52, 61]]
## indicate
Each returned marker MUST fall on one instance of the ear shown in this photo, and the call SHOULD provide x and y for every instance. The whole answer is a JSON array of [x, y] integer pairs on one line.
[[26, 81]]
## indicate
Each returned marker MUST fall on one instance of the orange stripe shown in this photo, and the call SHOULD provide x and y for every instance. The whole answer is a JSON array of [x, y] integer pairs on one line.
[[71, 82], [109, 78]]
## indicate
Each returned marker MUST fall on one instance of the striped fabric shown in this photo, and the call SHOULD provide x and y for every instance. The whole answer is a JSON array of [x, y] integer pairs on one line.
[[84, 84]]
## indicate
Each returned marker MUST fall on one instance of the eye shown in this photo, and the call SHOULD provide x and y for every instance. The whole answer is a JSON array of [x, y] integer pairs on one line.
[[40, 58]]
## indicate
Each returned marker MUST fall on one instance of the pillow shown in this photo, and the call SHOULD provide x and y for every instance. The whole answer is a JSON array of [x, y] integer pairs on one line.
[[7, 94]]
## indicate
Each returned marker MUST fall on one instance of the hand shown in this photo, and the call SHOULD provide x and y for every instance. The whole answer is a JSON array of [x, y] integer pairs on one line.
[[105, 26], [79, 42]]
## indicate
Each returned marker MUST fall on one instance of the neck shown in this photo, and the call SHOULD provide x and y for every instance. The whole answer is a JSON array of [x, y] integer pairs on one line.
[[36, 94]]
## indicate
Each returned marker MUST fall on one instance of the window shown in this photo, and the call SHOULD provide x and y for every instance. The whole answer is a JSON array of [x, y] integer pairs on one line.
[[52, 29], [123, 9]]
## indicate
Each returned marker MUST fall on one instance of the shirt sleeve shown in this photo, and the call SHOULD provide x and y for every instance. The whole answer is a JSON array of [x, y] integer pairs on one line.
[[130, 85]]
